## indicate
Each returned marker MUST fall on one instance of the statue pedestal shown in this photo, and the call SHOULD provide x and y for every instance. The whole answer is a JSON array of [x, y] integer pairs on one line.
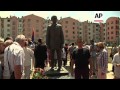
[[50, 73]]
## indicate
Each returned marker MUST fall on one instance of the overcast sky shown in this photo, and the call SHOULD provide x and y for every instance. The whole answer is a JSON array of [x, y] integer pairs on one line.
[[79, 15]]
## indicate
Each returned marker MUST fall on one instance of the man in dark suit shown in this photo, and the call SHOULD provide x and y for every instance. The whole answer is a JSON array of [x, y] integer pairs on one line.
[[55, 41], [40, 54]]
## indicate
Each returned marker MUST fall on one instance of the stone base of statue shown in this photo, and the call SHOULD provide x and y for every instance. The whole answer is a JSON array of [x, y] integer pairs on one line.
[[50, 73]]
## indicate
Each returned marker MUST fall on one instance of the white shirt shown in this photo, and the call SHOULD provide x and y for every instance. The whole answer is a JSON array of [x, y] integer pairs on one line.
[[116, 60], [29, 54], [15, 55], [63, 53]]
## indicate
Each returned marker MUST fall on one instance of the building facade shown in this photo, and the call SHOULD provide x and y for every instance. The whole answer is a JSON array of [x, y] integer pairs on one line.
[[108, 32], [70, 28], [112, 28], [33, 23]]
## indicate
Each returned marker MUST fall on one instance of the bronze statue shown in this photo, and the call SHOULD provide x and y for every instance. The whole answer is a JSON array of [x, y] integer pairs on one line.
[[55, 41]]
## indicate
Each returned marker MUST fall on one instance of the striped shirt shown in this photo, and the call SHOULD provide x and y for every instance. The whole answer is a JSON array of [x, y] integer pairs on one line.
[[102, 60]]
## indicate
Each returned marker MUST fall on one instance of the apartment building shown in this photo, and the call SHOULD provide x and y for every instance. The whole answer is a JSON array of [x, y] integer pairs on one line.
[[9, 27], [112, 28], [47, 22], [6, 27], [20, 25], [33, 23], [70, 28], [81, 29], [108, 32], [13, 24], [91, 31]]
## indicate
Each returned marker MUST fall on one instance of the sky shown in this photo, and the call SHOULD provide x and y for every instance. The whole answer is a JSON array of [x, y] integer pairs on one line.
[[79, 15]]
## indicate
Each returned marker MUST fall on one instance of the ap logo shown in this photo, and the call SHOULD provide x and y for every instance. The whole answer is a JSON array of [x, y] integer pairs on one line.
[[98, 16]]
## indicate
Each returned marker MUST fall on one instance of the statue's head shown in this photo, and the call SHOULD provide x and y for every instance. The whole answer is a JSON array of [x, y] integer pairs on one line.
[[54, 19]]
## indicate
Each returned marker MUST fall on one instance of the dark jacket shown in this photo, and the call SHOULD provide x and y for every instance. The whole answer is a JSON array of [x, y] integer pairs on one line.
[[54, 37], [40, 52]]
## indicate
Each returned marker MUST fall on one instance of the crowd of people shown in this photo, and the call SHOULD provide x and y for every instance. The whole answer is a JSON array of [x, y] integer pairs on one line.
[[18, 57]]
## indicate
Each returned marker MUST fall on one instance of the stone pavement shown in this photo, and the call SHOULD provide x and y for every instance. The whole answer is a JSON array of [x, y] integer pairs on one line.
[[110, 74]]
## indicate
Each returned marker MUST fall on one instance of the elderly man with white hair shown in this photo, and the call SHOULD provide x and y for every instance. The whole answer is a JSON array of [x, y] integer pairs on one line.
[[13, 59], [116, 63]]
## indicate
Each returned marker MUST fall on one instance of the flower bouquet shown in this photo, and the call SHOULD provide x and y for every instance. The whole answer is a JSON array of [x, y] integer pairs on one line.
[[38, 73]]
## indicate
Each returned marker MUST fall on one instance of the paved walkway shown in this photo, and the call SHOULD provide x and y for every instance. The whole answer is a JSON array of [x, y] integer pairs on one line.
[[110, 74]]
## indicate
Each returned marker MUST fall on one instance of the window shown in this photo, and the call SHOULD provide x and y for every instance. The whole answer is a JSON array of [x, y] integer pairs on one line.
[[37, 30], [108, 28], [8, 20], [104, 33], [89, 28], [117, 27], [111, 32], [89, 37], [37, 21], [24, 20], [77, 32], [73, 23], [97, 25], [112, 27], [66, 36], [80, 33], [116, 21], [8, 25], [29, 20], [19, 29], [66, 22], [111, 37], [73, 28], [104, 38], [80, 28], [65, 26], [108, 37], [73, 37], [108, 33], [104, 29], [108, 23], [73, 32], [112, 22], [96, 29], [117, 32], [8, 35], [20, 25], [89, 33], [20, 20], [13, 23], [66, 31]]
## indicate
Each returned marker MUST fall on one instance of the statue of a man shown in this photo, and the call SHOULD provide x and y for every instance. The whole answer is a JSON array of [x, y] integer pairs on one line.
[[55, 41]]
